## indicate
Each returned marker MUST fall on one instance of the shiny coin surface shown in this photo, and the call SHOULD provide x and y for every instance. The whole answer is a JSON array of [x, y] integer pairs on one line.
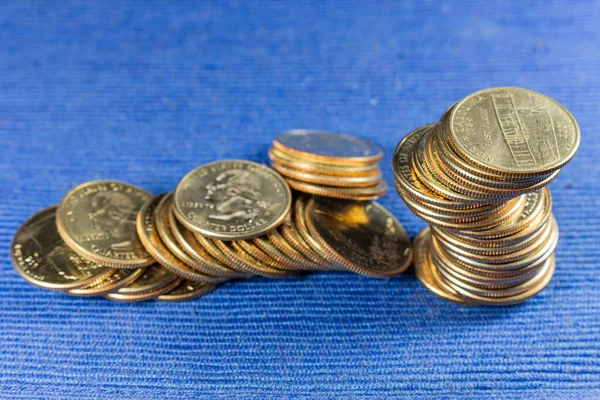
[[150, 238], [43, 259], [361, 193], [299, 164], [154, 278], [187, 290], [118, 279], [362, 236], [327, 147], [320, 179], [231, 200], [427, 274], [97, 220], [513, 130]]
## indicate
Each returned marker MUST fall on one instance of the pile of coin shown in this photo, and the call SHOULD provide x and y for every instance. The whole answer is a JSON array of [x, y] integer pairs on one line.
[[225, 220], [478, 177], [328, 164]]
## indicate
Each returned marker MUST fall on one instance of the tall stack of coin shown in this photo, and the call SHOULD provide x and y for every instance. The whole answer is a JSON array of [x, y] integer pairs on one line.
[[225, 220], [478, 178], [328, 164]]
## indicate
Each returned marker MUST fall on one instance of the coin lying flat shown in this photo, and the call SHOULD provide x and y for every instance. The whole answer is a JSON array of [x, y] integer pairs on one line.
[[115, 281], [155, 281], [327, 147], [43, 259], [513, 131], [277, 156], [362, 236], [231, 200], [328, 164], [154, 278], [187, 290], [97, 220]]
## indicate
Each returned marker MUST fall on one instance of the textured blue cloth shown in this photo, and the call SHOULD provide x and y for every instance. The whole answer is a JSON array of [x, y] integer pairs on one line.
[[143, 92]]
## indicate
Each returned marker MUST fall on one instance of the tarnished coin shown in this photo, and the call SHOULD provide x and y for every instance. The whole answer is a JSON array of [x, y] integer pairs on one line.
[[327, 147], [230, 200], [97, 220], [187, 290], [362, 236], [513, 131], [43, 259]]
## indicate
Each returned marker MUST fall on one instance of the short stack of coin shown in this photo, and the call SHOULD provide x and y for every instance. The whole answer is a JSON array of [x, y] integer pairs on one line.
[[478, 178], [328, 164], [226, 220]]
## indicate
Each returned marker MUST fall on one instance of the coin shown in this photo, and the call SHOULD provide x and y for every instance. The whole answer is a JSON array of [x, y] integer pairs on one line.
[[290, 235], [118, 279], [97, 220], [155, 281], [362, 236], [298, 164], [320, 179], [362, 193], [425, 272], [513, 131], [244, 260], [187, 290], [151, 240], [232, 200], [42, 258], [190, 245], [327, 147], [154, 278], [162, 224]]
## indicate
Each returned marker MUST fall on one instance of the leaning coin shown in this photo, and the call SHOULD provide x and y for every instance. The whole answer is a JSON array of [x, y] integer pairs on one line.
[[232, 200], [162, 225], [154, 278], [43, 259], [145, 281], [191, 246], [152, 242], [327, 147], [187, 290], [120, 278], [364, 237], [97, 220]]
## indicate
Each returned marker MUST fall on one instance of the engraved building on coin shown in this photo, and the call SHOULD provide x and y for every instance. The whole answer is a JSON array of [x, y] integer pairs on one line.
[[478, 178]]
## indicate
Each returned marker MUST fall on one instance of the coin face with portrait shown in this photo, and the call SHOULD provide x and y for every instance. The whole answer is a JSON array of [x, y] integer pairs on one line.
[[97, 220], [231, 200]]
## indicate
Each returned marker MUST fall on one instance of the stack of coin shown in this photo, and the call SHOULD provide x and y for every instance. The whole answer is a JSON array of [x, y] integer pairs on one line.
[[478, 178], [225, 220], [328, 164]]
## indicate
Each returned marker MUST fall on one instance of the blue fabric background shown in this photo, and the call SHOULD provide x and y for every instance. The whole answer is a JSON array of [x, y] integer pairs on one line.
[[145, 91]]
